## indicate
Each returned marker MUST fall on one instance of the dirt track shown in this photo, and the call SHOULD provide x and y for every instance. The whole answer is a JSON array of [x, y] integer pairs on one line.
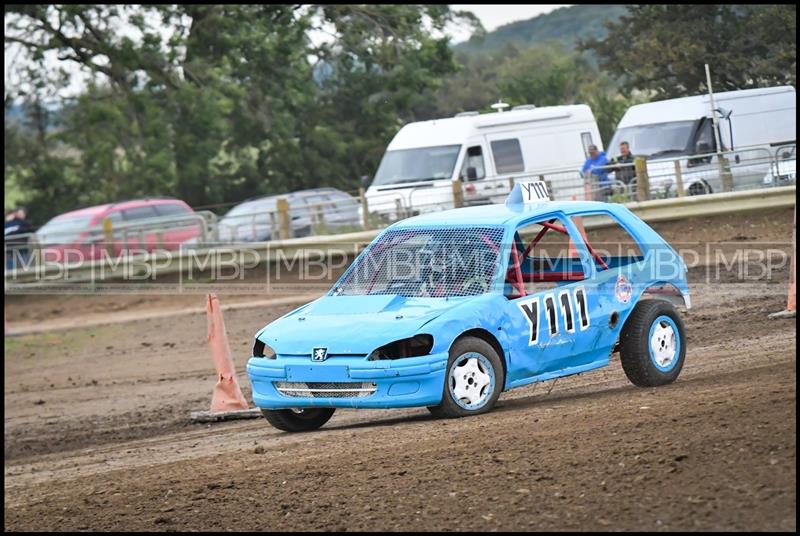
[[96, 437]]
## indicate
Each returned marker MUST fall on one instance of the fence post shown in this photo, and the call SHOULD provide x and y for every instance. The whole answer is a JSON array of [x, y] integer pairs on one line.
[[642, 180], [108, 236], [588, 195], [362, 195], [458, 195], [725, 173], [272, 226], [284, 223], [679, 179], [35, 252], [320, 217]]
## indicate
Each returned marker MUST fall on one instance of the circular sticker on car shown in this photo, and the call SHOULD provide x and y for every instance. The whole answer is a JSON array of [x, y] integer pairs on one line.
[[623, 289]]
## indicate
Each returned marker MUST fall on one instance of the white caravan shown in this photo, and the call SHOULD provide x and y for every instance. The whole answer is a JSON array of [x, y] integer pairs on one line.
[[482, 151], [756, 123]]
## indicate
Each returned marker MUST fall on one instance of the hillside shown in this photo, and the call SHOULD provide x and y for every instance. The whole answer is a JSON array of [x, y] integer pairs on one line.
[[566, 24]]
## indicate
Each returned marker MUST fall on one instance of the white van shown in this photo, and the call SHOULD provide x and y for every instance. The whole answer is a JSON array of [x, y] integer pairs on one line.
[[482, 151], [752, 122]]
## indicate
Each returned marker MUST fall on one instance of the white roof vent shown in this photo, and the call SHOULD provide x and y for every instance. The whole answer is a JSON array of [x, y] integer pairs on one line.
[[467, 114], [524, 107], [499, 106]]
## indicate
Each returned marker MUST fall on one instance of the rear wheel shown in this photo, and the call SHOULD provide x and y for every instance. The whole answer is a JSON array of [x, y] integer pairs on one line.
[[299, 419], [473, 381], [652, 344], [699, 188]]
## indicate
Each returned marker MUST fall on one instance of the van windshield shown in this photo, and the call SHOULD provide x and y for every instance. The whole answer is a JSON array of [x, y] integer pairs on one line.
[[412, 165], [659, 139]]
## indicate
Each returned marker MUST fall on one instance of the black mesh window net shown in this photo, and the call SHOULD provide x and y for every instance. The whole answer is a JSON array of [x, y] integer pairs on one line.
[[419, 262]]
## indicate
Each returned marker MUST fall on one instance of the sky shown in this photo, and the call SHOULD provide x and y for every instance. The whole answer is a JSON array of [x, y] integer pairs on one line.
[[492, 16]]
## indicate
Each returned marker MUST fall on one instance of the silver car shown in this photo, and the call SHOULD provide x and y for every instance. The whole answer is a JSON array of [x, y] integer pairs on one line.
[[310, 211]]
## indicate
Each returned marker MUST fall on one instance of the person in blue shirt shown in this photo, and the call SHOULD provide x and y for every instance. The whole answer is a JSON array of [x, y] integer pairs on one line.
[[16, 247], [600, 182]]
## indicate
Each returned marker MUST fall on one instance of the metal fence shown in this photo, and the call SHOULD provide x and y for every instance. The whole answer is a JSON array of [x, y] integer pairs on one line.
[[742, 169]]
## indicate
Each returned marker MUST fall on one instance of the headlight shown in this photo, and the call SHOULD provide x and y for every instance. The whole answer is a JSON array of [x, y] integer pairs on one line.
[[415, 346], [262, 350]]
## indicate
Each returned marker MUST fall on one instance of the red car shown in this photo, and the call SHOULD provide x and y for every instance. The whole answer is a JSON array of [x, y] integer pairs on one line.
[[140, 224]]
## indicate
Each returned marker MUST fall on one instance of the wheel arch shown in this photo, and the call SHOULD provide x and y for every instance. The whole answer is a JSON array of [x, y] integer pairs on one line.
[[489, 337]]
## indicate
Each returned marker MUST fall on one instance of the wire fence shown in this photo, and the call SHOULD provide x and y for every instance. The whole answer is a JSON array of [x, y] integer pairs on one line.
[[278, 218]]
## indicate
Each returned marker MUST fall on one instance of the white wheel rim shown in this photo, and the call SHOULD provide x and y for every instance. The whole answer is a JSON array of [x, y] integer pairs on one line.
[[663, 344], [470, 382]]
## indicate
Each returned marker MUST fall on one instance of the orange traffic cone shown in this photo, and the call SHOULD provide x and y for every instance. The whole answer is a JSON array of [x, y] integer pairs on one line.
[[227, 401]]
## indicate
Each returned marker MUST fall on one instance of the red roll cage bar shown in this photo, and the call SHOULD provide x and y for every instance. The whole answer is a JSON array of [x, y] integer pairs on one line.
[[516, 276]]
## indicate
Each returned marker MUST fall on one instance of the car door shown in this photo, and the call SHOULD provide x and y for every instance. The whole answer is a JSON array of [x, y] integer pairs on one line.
[[178, 226], [343, 210], [553, 323], [136, 232], [618, 261]]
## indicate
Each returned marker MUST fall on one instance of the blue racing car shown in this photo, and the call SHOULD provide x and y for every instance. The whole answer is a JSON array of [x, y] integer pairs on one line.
[[447, 310]]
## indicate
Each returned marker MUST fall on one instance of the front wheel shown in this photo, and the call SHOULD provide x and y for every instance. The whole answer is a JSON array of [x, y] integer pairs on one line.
[[474, 379], [298, 420], [652, 344]]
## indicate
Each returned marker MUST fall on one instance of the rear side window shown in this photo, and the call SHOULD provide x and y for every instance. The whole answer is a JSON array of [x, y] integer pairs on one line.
[[609, 240], [171, 209], [139, 213], [507, 156]]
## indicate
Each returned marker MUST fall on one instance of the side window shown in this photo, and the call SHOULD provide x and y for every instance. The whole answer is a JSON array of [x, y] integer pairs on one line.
[[115, 217], [547, 257], [704, 143], [139, 213], [171, 209], [298, 208], [609, 240], [586, 140], [507, 156], [474, 160]]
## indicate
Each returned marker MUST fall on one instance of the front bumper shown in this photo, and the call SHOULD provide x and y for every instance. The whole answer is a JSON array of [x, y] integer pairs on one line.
[[399, 383]]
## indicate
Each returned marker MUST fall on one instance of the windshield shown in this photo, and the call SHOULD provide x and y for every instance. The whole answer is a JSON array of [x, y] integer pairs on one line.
[[63, 229], [660, 139], [411, 165], [244, 213], [418, 262]]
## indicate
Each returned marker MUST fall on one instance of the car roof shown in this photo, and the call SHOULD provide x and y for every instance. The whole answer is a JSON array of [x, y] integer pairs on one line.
[[295, 195], [502, 214], [131, 203]]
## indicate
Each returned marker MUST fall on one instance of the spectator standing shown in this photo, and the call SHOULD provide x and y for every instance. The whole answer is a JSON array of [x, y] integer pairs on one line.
[[624, 171], [593, 169], [16, 246]]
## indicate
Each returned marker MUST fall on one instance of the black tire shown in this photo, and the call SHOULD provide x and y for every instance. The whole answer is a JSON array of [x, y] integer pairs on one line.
[[699, 188], [638, 361], [301, 420], [449, 408]]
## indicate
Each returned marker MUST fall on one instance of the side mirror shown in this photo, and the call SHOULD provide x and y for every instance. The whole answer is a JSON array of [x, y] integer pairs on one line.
[[472, 173]]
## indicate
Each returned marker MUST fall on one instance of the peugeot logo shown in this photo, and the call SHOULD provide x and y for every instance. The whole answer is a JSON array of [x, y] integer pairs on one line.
[[319, 354]]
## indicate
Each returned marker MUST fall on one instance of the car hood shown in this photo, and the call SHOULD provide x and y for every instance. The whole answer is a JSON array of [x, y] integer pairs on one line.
[[352, 324]]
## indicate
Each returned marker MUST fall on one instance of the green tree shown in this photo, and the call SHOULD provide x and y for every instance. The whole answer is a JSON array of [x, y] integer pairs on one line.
[[219, 103], [662, 48]]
